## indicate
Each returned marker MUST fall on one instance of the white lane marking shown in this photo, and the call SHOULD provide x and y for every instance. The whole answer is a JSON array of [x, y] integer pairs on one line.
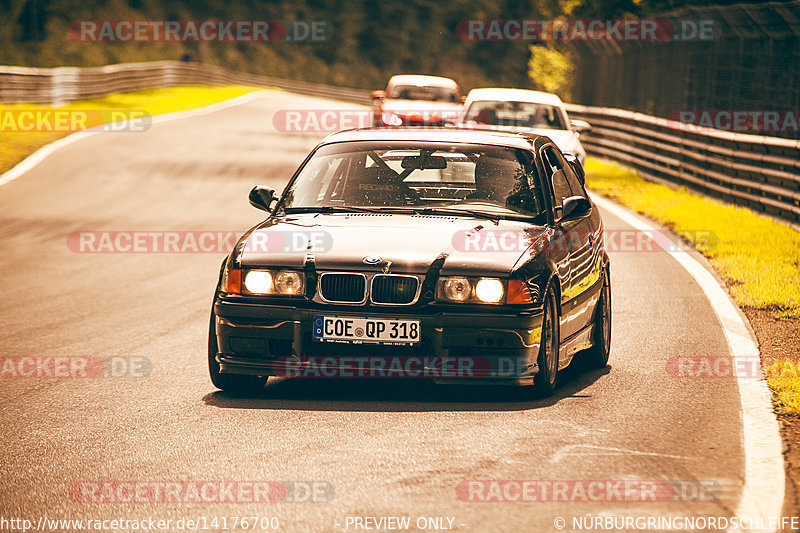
[[764, 475], [30, 162], [565, 451]]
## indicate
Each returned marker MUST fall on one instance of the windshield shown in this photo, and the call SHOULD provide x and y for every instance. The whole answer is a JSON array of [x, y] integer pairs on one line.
[[516, 114], [430, 93], [413, 176]]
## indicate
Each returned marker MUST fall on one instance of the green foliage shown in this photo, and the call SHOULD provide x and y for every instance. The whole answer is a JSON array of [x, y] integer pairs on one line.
[[371, 40], [550, 70]]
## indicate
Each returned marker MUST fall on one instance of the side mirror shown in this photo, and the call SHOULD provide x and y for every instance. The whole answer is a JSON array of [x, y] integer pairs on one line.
[[261, 197], [575, 165], [580, 126], [378, 95], [575, 207]]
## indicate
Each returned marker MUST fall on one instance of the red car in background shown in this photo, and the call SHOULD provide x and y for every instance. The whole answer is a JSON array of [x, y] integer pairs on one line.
[[415, 100]]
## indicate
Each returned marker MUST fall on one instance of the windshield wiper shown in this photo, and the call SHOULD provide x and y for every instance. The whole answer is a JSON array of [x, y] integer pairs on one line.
[[494, 217], [458, 211], [325, 209]]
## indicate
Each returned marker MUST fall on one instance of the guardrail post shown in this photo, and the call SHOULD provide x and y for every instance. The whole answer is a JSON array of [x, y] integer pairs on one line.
[[169, 76], [63, 85]]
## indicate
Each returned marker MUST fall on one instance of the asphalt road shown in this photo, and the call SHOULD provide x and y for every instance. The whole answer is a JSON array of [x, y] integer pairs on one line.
[[384, 448]]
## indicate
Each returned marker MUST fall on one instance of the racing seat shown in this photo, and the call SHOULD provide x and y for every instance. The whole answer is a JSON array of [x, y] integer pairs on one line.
[[374, 186]]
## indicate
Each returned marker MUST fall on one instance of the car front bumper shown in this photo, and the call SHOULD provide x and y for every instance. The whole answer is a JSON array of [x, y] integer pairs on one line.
[[475, 348]]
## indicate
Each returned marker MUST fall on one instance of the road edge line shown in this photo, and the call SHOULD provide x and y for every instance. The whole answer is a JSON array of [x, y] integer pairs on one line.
[[763, 491], [34, 159]]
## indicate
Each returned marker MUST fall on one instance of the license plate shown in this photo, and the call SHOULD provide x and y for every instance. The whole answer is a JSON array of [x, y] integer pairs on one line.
[[366, 330]]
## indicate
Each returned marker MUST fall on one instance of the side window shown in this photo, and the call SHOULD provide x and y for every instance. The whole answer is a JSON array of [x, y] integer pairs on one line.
[[526, 194], [555, 166]]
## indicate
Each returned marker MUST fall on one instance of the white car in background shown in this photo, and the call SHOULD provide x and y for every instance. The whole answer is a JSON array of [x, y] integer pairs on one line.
[[524, 111]]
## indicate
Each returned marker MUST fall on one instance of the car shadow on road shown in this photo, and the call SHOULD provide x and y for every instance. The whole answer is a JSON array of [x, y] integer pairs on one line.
[[397, 395]]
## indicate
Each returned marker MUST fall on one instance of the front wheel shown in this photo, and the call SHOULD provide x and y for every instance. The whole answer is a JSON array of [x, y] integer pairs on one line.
[[546, 378], [236, 383], [597, 355]]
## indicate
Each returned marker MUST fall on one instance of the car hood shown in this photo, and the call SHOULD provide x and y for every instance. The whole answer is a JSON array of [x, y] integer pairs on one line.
[[406, 243]]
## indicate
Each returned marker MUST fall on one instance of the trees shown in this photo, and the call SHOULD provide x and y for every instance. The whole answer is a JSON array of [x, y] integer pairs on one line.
[[370, 41]]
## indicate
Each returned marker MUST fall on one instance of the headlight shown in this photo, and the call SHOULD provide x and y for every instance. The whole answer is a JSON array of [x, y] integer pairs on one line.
[[273, 282], [457, 289], [489, 290], [258, 282], [289, 282]]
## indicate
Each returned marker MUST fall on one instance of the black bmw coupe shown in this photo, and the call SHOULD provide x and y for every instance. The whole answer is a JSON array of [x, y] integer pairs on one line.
[[455, 255]]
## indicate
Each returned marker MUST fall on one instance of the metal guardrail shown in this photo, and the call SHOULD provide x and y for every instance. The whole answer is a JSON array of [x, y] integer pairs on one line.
[[761, 173], [60, 85]]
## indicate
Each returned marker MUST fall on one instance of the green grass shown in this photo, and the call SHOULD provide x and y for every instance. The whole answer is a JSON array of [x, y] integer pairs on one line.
[[16, 146], [784, 380], [758, 257]]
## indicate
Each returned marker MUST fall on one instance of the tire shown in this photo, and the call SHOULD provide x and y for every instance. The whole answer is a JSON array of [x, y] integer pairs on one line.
[[597, 355], [546, 379], [236, 383]]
